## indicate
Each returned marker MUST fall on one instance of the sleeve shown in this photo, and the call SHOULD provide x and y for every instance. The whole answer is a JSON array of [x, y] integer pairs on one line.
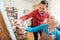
[[48, 14], [25, 17], [57, 34], [37, 28]]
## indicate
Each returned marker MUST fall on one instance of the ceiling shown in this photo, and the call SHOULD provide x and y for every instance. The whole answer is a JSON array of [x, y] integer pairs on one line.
[[33, 1]]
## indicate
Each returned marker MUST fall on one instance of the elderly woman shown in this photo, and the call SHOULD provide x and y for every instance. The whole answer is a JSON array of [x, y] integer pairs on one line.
[[49, 30]]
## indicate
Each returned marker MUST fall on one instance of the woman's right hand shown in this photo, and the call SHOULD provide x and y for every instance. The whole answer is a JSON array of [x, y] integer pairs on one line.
[[18, 23]]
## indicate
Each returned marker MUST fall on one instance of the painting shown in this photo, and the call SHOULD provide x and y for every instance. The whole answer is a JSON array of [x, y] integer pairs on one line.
[[26, 11]]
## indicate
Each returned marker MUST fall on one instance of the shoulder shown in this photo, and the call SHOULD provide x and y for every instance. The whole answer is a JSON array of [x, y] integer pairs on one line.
[[47, 12], [57, 34], [57, 31], [34, 10]]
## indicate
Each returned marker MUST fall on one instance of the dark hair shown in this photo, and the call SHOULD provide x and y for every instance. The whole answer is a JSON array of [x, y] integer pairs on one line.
[[44, 2]]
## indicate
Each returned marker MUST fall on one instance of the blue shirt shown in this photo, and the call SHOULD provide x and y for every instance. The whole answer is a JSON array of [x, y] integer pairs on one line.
[[42, 27], [37, 28]]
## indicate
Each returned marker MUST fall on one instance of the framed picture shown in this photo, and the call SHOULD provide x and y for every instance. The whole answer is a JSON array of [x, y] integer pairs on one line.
[[12, 12], [25, 11]]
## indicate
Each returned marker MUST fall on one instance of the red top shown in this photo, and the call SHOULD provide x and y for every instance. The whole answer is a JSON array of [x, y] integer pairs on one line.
[[37, 19]]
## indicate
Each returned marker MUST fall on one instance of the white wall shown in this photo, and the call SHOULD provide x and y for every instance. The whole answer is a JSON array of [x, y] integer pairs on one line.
[[20, 5], [55, 9]]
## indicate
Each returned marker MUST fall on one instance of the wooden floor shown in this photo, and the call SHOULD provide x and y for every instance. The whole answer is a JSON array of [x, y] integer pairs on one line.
[[31, 37]]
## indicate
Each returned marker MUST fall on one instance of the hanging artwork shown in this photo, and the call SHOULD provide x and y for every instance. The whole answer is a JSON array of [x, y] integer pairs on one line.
[[12, 15], [26, 11]]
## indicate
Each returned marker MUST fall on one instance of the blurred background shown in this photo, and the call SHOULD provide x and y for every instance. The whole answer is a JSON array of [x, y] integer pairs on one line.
[[17, 8]]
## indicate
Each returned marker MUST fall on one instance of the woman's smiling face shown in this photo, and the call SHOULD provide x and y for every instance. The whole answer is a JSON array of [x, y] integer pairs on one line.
[[51, 22]]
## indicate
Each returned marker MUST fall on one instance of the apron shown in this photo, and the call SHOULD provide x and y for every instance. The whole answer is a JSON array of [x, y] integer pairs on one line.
[[45, 36]]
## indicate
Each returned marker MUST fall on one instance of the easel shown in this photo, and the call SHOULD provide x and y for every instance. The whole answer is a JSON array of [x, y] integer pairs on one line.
[[6, 24]]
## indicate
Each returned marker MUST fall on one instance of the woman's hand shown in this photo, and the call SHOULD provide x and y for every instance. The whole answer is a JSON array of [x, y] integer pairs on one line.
[[19, 24], [16, 23]]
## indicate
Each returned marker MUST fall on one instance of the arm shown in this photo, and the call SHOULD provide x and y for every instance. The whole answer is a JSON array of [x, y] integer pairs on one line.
[[37, 28], [25, 17]]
